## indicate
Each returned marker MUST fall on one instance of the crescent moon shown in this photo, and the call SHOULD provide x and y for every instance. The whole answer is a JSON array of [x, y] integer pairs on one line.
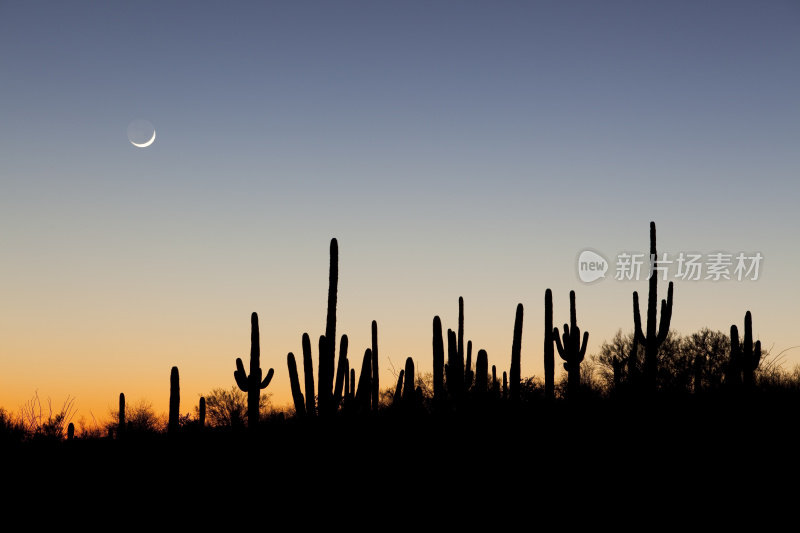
[[148, 143]]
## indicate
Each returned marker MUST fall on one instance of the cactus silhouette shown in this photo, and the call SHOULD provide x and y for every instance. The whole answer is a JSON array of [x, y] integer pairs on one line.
[[455, 367], [633, 360], [174, 401], [409, 392], [364, 391], [331, 389], [71, 431], [744, 356], [375, 378], [438, 362], [549, 352], [572, 350], [398, 391], [495, 382], [202, 412], [252, 384], [469, 375], [514, 376], [294, 381], [652, 338], [481, 372], [326, 399], [121, 416]]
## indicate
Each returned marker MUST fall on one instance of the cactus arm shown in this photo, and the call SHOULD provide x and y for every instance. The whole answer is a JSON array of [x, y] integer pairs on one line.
[[341, 371], [582, 351], [559, 346], [756, 355], [294, 381], [637, 320], [240, 375], [666, 316], [265, 383]]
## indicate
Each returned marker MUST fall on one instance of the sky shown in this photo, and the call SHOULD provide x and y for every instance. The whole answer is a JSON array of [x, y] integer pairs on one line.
[[453, 148]]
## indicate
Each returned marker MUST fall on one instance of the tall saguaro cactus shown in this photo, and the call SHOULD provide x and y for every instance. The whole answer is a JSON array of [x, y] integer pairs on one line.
[[121, 416], [327, 353], [549, 353], [652, 338], [330, 386], [202, 412], [174, 401], [438, 361], [745, 356], [515, 372], [572, 350], [375, 378], [252, 384]]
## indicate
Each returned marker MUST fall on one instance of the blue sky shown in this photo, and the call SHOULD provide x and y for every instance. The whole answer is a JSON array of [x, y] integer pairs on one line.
[[452, 147]]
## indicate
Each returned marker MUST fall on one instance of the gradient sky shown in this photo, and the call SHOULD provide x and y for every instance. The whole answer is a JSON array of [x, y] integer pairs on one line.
[[454, 149]]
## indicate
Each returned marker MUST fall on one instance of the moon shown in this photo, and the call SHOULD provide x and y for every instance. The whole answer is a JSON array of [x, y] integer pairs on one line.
[[141, 133], [148, 143]]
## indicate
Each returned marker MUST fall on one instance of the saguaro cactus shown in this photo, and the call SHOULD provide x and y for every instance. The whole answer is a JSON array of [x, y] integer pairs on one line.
[[252, 384], [121, 416], [455, 367], [572, 350], [745, 356], [549, 352], [364, 392], [375, 378], [408, 382], [516, 349], [174, 401], [481, 372], [294, 381], [71, 431], [438, 361], [398, 391], [653, 338], [329, 391], [202, 412], [327, 352]]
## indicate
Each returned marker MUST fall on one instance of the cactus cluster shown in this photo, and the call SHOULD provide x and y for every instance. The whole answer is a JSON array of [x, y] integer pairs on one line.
[[744, 356], [455, 380], [338, 389]]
